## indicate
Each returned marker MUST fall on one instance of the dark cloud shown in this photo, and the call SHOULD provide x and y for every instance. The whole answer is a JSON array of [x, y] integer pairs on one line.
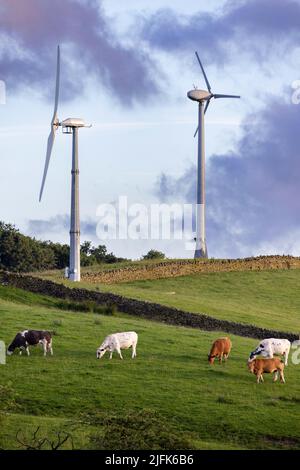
[[84, 32], [250, 26], [253, 194], [59, 224]]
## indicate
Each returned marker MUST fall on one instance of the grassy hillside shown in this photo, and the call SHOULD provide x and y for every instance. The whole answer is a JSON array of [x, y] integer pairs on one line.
[[130, 271], [270, 299], [188, 402]]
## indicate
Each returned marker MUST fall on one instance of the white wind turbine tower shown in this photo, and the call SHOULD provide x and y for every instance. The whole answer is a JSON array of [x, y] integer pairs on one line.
[[203, 97], [69, 126]]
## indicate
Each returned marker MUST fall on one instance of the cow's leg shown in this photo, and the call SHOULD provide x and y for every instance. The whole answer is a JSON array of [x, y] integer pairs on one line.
[[119, 352], [259, 377], [275, 377], [282, 380], [44, 344], [111, 353], [133, 351], [221, 358], [27, 350], [286, 356], [49, 347], [20, 353]]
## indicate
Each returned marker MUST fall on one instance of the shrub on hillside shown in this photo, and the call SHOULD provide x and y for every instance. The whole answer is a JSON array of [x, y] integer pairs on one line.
[[8, 398], [154, 254], [138, 430], [86, 306]]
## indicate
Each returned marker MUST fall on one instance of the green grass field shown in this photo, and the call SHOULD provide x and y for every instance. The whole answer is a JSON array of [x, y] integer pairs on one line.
[[270, 299], [170, 384]]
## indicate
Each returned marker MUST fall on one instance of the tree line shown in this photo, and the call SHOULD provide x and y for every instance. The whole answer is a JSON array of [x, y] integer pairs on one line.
[[21, 253]]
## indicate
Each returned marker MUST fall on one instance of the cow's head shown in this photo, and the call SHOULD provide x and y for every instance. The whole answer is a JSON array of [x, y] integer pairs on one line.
[[11, 348], [16, 343], [251, 365], [211, 358], [100, 352], [257, 351], [252, 356]]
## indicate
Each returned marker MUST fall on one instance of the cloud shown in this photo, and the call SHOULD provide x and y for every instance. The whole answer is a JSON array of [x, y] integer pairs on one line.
[[31, 30], [249, 25], [253, 193], [59, 225]]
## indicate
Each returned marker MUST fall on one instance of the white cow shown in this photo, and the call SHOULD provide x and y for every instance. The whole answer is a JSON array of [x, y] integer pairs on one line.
[[269, 347], [118, 341]]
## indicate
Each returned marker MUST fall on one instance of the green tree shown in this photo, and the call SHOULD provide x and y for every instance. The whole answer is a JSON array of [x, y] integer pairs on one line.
[[86, 248], [61, 254], [154, 254], [99, 253], [21, 253]]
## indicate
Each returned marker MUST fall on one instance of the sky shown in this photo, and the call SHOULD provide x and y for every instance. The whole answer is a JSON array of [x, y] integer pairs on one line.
[[126, 68]]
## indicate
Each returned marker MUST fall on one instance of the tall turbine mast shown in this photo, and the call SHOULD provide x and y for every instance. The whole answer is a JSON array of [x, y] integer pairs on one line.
[[203, 98], [69, 126]]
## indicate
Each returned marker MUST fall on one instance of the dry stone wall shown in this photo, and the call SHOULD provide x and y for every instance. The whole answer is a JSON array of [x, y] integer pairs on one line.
[[186, 267], [141, 309]]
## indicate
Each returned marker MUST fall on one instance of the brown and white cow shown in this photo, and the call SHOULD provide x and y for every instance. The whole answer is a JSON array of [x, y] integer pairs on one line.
[[27, 338]]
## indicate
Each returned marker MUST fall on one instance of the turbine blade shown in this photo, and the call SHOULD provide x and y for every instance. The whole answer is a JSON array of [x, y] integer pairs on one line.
[[204, 74], [226, 96], [196, 132], [50, 143], [54, 124], [57, 84]]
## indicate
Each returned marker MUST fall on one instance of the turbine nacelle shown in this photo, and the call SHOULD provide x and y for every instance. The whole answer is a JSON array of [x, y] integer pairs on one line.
[[199, 95], [73, 122], [205, 95]]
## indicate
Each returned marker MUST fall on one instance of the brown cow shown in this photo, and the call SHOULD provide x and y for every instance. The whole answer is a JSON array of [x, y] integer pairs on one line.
[[221, 349], [270, 366]]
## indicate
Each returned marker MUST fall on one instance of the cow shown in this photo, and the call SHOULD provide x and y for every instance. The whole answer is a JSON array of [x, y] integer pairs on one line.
[[118, 341], [221, 348], [270, 366], [269, 347], [27, 338]]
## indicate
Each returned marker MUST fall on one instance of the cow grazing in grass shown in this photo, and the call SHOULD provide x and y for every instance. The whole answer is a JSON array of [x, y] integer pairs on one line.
[[221, 349], [269, 347], [118, 341], [27, 338], [270, 366]]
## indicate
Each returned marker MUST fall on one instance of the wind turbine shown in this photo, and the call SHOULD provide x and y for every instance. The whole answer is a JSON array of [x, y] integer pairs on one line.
[[69, 126], [203, 97]]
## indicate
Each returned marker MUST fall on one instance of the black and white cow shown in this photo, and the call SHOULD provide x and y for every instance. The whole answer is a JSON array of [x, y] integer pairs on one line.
[[269, 347], [27, 338]]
